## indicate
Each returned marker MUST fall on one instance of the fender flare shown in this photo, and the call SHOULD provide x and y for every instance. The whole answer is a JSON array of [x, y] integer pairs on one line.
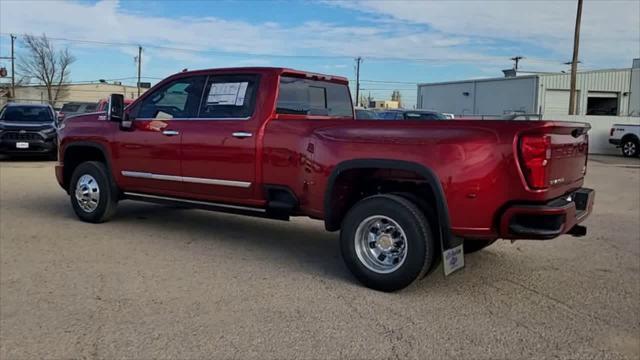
[[91, 144], [432, 179]]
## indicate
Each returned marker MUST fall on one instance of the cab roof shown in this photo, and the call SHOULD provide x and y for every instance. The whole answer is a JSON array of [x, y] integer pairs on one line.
[[276, 70]]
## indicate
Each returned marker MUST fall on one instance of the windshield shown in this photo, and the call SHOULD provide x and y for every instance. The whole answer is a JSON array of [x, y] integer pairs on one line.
[[424, 116], [26, 114], [365, 114], [67, 108]]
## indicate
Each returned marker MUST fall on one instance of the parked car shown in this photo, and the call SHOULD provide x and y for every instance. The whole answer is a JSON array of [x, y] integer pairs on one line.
[[276, 142], [627, 138], [75, 108], [400, 114], [365, 114], [28, 129]]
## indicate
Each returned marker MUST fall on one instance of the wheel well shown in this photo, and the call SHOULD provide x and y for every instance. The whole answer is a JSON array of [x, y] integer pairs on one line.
[[629, 137], [352, 185], [76, 155]]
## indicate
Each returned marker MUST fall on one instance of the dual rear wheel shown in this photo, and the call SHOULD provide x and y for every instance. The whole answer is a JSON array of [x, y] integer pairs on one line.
[[387, 242]]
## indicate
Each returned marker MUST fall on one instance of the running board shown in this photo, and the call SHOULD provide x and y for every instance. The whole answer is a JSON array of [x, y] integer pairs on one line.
[[205, 205]]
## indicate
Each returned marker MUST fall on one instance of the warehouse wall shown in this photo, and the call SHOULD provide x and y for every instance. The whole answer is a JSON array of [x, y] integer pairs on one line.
[[447, 98], [481, 97], [614, 81], [634, 97], [599, 133], [506, 96]]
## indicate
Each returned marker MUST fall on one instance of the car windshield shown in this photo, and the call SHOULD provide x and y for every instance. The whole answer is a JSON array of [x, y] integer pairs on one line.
[[67, 108], [387, 115], [424, 116], [365, 114], [26, 114]]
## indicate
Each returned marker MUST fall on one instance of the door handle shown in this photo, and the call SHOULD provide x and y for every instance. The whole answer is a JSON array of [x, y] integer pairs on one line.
[[170, 132], [242, 134]]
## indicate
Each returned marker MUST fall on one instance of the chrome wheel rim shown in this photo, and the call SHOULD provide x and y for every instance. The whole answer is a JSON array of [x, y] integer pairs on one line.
[[380, 244], [87, 193], [629, 148]]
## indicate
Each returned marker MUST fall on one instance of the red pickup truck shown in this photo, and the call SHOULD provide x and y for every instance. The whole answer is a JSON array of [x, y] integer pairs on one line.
[[275, 143]]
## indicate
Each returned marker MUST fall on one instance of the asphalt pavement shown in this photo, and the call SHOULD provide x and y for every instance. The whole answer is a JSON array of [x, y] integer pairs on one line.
[[164, 282]]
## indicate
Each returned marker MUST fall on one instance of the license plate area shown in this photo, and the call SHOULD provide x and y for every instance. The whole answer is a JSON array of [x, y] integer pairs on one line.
[[22, 145]]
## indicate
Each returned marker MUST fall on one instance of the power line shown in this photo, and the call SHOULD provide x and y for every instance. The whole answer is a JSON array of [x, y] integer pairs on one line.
[[236, 53]]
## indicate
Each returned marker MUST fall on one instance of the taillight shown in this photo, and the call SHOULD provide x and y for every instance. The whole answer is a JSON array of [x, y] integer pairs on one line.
[[536, 153]]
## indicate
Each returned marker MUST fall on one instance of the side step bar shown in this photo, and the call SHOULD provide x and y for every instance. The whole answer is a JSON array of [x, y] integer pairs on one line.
[[205, 205]]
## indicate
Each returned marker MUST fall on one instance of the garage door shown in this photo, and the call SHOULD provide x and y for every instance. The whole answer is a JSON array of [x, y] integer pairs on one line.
[[556, 102]]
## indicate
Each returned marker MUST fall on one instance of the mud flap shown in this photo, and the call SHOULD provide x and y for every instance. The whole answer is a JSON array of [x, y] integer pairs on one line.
[[452, 254]]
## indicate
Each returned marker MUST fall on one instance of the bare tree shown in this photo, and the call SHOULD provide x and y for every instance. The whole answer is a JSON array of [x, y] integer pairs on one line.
[[43, 62]]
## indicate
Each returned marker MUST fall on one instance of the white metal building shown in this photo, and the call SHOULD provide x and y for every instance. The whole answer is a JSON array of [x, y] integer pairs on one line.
[[613, 92]]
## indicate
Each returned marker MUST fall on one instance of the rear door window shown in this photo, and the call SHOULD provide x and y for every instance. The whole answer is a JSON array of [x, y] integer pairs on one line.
[[313, 97], [229, 97]]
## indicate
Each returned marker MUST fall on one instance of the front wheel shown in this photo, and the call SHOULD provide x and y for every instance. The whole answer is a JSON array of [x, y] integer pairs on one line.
[[630, 148], [93, 197], [386, 242]]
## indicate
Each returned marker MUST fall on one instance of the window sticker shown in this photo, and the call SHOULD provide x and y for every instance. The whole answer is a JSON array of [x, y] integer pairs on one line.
[[229, 94]]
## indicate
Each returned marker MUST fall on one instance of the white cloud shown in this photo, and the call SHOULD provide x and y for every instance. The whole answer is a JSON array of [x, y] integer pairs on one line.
[[610, 30], [446, 31], [107, 21]]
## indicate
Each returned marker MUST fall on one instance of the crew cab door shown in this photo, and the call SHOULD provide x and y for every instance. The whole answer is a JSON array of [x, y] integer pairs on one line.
[[219, 147], [149, 154]]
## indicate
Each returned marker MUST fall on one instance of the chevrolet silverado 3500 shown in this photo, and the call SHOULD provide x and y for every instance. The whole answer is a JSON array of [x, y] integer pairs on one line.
[[276, 142]]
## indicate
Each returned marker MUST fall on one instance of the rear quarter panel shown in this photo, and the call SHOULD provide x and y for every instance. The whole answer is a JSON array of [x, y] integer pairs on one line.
[[474, 161]]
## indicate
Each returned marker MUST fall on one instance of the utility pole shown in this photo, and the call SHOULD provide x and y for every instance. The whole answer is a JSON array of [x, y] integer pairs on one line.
[[139, 66], [574, 61], [358, 61], [517, 60], [13, 69]]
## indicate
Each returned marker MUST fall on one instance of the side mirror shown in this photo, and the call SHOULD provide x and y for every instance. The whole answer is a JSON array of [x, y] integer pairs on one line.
[[115, 110]]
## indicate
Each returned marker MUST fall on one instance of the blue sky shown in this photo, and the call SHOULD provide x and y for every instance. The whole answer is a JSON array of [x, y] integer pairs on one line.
[[401, 41]]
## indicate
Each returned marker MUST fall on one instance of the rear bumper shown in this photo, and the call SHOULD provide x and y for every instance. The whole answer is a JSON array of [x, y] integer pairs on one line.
[[616, 142], [547, 221]]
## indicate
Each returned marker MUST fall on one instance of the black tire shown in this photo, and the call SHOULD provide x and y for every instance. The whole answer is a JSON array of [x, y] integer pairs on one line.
[[630, 148], [420, 247], [107, 194], [471, 246], [432, 218]]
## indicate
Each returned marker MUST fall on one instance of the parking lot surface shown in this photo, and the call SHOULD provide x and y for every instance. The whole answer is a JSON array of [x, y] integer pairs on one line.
[[163, 282]]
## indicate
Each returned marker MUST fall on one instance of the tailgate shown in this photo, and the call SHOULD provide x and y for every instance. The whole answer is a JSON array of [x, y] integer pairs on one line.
[[555, 154], [569, 149]]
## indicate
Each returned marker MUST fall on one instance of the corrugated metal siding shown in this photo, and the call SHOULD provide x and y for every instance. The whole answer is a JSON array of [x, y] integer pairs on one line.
[[480, 97], [607, 81]]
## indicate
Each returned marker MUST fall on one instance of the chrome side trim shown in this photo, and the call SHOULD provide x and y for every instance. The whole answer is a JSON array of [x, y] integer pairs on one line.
[[194, 180], [196, 202], [234, 183]]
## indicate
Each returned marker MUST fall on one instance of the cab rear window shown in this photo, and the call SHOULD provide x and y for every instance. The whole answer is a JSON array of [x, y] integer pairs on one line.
[[313, 97]]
